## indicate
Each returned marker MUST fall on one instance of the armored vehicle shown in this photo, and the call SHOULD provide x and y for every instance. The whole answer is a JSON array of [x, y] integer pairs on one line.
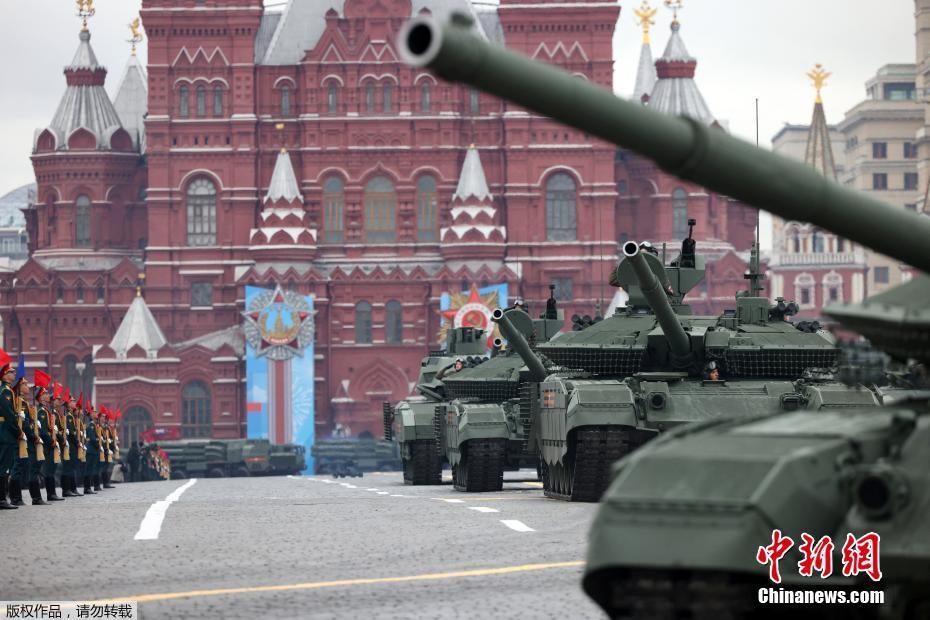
[[218, 458], [335, 454], [686, 517], [410, 422], [484, 430], [654, 365]]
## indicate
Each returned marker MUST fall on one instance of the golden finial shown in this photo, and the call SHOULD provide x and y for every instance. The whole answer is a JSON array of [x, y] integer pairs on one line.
[[280, 127], [645, 14], [85, 10], [675, 5], [819, 76], [136, 28]]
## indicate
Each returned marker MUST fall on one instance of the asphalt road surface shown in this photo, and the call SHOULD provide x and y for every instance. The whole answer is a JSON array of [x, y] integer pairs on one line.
[[305, 547]]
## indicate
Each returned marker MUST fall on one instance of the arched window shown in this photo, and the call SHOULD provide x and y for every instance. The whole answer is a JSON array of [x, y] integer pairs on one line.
[[370, 97], [380, 205], [425, 95], [832, 288], [840, 244], [427, 199], [804, 290], [196, 415], [218, 101], [363, 323], [285, 100], [79, 294], [184, 102], [201, 101], [560, 208], [101, 294], [333, 203], [794, 239], [474, 102], [394, 322], [201, 212], [82, 221], [817, 242], [135, 421], [388, 97], [332, 97], [679, 214]]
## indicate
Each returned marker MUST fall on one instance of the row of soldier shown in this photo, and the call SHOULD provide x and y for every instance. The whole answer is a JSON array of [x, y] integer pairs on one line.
[[55, 433]]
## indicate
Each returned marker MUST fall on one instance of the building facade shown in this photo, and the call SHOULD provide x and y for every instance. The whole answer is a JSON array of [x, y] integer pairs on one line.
[[263, 147]]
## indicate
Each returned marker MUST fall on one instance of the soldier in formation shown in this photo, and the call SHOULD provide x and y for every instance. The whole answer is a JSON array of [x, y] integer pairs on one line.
[[48, 432]]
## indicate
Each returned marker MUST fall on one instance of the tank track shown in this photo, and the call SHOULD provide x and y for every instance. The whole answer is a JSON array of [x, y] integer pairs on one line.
[[387, 412], [657, 594], [584, 473], [481, 466], [424, 466]]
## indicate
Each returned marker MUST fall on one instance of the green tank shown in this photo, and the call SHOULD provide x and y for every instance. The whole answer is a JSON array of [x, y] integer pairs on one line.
[[351, 456], [409, 423], [682, 523], [219, 458], [485, 429], [654, 365]]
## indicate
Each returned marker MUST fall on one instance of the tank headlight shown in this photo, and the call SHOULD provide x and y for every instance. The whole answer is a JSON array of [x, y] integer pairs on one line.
[[657, 400], [880, 492]]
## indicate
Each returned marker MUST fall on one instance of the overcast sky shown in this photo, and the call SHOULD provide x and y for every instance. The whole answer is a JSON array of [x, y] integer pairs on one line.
[[745, 49]]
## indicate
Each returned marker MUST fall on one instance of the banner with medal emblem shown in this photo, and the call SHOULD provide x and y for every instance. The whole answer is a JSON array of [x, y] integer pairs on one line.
[[279, 327], [472, 308]]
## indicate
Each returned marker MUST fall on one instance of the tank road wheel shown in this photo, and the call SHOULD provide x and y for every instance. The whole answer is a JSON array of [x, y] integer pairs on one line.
[[424, 466], [481, 467], [584, 473]]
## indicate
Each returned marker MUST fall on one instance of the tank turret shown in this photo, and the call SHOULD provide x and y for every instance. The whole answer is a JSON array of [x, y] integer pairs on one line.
[[513, 325], [657, 298], [683, 147]]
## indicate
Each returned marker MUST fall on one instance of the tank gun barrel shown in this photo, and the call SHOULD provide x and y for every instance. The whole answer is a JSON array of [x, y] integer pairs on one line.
[[516, 340], [681, 146], [678, 340]]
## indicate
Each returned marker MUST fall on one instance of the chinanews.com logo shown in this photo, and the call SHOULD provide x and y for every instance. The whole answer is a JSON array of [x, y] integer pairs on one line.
[[859, 557]]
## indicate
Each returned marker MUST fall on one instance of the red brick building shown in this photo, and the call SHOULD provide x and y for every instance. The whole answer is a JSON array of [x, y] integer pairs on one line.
[[291, 146]]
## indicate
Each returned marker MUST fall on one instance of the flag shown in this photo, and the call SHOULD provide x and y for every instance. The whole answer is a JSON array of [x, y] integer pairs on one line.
[[80, 401], [5, 360], [119, 414], [20, 370], [56, 393], [42, 379], [67, 395]]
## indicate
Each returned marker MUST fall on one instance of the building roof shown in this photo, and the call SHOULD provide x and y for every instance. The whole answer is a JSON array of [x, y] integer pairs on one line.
[[85, 104], [472, 182], [676, 92], [12, 203], [283, 186], [233, 336], [138, 327], [285, 37], [646, 73], [131, 101]]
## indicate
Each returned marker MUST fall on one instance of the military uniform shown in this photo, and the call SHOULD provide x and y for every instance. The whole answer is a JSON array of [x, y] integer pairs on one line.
[[112, 454], [9, 441], [48, 431], [73, 447], [26, 470], [91, 453]]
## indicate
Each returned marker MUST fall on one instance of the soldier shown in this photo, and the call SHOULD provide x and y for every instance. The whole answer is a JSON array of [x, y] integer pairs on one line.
[[73, 442], [48, 431], [91, 450], [27, 470], [60, 397], [9, 429], [106, 431], [84, 460]]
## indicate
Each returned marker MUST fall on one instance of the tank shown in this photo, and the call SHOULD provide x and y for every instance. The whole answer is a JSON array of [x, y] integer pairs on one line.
[[484, 429], [409, 423], [336, 454], [682, 523], [654, 365]]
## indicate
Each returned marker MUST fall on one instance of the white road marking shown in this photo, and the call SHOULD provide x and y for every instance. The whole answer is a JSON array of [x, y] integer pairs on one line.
[[350, 486], [381, 493], [400, 496], [517, 526], [372, 489], [151, 523], [449, 501], [483, 509]]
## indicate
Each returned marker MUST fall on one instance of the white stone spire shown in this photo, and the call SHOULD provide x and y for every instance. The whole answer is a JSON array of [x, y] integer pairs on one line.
[[645, 75], [472, 182], [131, 101], [283, 187], [676, 92], [138, 327]]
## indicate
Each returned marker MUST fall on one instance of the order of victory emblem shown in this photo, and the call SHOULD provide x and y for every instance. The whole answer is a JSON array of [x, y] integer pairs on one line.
[[279, 324]]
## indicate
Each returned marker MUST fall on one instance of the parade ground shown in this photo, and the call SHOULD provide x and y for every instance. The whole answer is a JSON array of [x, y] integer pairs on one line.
[[310, 547]]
